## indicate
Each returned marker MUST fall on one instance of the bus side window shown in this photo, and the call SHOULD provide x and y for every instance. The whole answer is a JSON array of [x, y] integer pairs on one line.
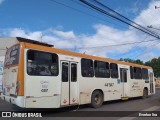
[[131, 72], [54, 65], [137, 73], [114, 70], [64, 72], [73, 72], [87, 67], [145, 74], [101, 69], [31, 66]]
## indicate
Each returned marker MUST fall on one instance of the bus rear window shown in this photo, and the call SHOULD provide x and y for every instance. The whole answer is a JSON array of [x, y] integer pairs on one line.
[[12, 56], [42, 63]]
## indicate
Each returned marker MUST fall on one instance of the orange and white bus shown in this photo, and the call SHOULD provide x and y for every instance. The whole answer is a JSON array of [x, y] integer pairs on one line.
[[36, 75]]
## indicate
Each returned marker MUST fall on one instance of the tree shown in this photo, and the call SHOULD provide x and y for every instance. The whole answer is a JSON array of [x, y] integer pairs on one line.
[[155, 64], [138, 61]]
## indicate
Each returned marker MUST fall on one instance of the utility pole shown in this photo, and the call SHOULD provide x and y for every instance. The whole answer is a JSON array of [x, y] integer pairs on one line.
[[156, 7], [151, 26]]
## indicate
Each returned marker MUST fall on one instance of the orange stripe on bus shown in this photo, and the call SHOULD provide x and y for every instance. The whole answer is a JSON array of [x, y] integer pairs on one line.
[[21, 70]]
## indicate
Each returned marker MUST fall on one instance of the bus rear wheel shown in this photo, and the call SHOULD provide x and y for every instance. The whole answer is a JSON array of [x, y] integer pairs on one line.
[[96, 99], [145, 93]]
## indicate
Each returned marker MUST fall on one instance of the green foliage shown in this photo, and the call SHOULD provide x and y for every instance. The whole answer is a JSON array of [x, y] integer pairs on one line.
[[154, 63], [138, 61]]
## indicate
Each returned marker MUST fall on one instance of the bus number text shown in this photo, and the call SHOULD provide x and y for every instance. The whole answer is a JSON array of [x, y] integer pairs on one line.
[[44, 90], [109, 84]]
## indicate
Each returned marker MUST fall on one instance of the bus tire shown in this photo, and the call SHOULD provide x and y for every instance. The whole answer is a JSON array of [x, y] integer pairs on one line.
[[96, 99], [145, 93]]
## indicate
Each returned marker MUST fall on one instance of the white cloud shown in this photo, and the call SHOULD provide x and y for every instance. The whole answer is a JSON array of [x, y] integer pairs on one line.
[[104, 36], [16, 32], [1, 1], [35, 35], [133, 10], [148, 56], [149, 16], [66, 35]]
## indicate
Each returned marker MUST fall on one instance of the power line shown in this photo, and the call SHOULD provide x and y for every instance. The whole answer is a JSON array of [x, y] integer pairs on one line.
[[139, 27], [104, 6], [123, 17], [93, 15], [80, 11], [118, 44], [143, 29], [111, 15], [145, 51], [141, 50], [126, 53], [149, 13]]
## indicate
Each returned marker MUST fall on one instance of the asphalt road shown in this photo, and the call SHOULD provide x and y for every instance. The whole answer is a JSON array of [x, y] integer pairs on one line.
[[122, 110]]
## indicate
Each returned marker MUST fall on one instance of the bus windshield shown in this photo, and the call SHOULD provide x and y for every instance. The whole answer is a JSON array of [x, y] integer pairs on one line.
[[12, 56]]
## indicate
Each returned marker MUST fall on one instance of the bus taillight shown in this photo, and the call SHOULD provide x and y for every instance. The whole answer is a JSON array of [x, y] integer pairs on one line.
[[17, 87]]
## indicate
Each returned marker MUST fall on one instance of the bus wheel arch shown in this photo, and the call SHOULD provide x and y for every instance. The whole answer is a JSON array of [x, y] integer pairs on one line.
[[97, 98], [145, 93]]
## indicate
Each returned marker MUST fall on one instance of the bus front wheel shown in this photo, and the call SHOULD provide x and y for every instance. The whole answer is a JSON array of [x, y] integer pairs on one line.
[[97, 99], [145, 93]]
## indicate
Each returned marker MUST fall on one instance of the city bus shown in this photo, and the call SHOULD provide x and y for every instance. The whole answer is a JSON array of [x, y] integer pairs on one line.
[[37, 75]]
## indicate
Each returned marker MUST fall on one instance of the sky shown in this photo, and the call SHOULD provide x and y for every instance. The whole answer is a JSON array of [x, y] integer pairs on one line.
[[71, 25]]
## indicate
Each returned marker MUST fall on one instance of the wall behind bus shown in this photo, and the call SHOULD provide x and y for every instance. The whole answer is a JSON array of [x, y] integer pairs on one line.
[[6, 43], [1, 70]]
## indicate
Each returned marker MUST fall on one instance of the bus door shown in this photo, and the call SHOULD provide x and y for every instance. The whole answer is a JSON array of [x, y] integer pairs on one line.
[[123, 77], [69, 87], [151, 82]]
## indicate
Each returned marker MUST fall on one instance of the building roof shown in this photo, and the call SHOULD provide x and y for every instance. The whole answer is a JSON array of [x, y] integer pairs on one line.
[[20, 39], [6, 42]]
